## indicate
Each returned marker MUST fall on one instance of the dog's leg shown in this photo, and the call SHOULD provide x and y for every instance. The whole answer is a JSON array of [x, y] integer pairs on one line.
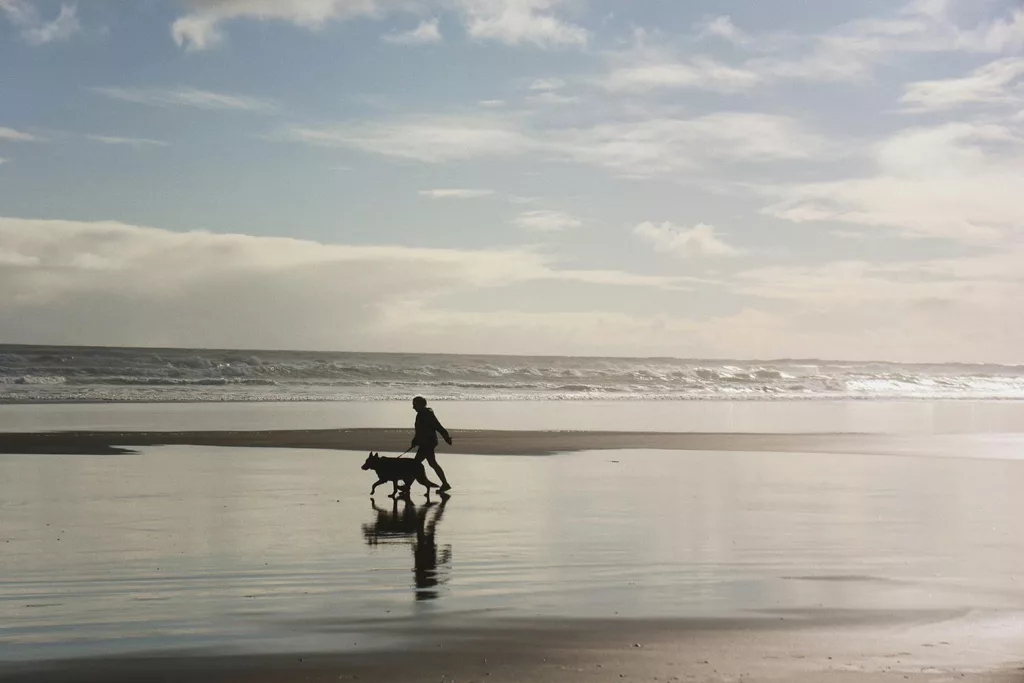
[[374, 488], [394, 494]]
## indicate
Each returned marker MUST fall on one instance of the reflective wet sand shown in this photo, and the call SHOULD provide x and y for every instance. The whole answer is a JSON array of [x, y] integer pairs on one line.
[[266, 550]]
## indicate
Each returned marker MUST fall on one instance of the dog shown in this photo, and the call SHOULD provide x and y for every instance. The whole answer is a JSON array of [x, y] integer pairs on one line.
[[395, 470]]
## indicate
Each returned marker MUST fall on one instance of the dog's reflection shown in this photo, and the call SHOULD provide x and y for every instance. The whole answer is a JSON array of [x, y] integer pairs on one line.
[[406, 523]]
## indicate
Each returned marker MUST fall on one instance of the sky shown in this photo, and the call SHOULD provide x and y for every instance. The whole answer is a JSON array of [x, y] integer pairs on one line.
[[688, 178]]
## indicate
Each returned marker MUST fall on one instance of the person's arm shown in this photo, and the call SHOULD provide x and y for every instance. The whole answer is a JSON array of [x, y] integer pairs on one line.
[[444, 432]]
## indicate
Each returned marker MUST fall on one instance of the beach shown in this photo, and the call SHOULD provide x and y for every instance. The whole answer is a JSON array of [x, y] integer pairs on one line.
[[257, 555]]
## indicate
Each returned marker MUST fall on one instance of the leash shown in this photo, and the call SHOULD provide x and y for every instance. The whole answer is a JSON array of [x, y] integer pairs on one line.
[[407, 450]]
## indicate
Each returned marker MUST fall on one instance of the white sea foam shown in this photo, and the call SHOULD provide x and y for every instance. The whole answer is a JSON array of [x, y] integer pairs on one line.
[[82, 374]]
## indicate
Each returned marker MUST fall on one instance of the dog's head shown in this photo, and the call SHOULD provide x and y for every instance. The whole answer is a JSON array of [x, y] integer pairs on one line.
[[371, 461]]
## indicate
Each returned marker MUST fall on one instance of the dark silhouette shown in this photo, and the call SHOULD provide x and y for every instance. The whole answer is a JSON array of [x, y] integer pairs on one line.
[[425, 439], [395, 470], [409, 523]]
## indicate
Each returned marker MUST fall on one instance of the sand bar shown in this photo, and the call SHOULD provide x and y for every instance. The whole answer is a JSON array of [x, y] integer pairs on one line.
[[479, 442]]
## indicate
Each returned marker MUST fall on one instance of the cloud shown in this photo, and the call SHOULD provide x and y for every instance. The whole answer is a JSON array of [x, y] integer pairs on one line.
[[200, 28], [36, 30], [187, 97], [998, 82], [723, 27], [429, 140], [699, 73], [668, 145], [956, 181], [456, 193], [16, 135], [547, 221], [64, 282], [3, 161], [427, 33], [642, 147], [547, 84], [699, 241], [515, 22], [492, 104], [962, 309], [646, 67], [553, 98], [854, 50], [131, 142]]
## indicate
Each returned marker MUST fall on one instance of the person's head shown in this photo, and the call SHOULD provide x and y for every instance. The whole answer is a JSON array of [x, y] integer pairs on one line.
[[419, 403]]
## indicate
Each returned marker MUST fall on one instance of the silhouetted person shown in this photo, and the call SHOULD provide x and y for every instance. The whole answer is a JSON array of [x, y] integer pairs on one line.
[[427, 428]]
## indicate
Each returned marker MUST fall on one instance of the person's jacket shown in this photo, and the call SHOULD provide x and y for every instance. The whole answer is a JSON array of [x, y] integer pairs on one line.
[[427, 427]]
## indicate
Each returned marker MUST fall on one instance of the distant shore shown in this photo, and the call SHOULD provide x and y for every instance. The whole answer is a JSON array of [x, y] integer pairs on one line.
[[478, 442]]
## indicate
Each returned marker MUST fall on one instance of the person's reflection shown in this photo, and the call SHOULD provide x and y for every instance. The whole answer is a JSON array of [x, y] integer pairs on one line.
[[405, 522]]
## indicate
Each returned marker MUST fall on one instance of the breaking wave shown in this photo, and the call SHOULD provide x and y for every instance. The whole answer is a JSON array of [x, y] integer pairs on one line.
[[85, 374]]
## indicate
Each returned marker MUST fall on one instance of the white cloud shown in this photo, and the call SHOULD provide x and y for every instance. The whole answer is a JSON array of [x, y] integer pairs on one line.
[[186, 97], [547, 221], [456, 193], [657, 146], [701, 73], [955, 181], [430, 140], [517, 331], [12, 258], [648, 67], [854, 50], [200, 28], [16, 135], [130, 142], [547, 84], [963, 309], [427, 33], [699, 241], [553, 98], [724, 28], [492, 104], [515, 22], [1001, 81], [63, 282], [3, 161], [36, 30], [643, 147]]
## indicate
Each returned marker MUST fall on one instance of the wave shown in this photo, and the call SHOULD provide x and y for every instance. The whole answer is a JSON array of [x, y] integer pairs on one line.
[[82, 374]]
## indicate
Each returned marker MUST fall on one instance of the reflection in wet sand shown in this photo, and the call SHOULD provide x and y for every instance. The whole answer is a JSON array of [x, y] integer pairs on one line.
[[406, 523]]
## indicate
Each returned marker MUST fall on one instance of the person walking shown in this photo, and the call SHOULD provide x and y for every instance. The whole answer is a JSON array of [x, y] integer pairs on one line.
[[425, 439]]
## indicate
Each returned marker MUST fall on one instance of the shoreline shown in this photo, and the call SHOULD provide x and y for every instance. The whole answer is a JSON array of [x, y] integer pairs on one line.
[[474, 442]]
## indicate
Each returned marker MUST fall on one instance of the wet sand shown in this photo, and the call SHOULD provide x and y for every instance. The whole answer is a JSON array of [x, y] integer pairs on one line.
[[199, 563], [811, 648], [495, 442]]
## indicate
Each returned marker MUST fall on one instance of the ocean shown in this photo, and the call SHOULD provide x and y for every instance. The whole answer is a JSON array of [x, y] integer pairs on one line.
[[66, 374]]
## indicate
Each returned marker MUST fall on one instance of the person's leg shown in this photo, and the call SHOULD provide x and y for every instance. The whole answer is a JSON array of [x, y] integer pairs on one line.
[[432, 459]]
